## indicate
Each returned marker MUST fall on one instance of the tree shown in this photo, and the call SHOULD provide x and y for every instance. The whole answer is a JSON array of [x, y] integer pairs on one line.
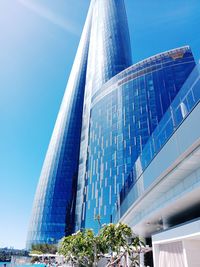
[[116, 242], [83, 248], [121, 243], [35, 259], [43, 248]]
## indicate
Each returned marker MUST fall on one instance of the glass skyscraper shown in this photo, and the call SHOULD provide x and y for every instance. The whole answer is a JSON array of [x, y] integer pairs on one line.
[[109, 54], [54, 204], [109, 111], [123, 115], [104, 51]]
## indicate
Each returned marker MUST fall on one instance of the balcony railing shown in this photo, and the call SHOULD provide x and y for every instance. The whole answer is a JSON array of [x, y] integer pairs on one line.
[[183, 104]]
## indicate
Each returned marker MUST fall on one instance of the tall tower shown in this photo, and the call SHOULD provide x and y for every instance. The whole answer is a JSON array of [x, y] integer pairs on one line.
[[104, 51], [124, 112], [54, 204], [109, 54], [108, 113]]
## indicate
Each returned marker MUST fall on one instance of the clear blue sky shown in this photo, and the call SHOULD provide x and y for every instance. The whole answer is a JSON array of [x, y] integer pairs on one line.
[[38, 41]]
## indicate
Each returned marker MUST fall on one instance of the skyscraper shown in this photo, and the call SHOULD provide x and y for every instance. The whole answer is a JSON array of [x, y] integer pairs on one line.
[[109, 111], [123, 115], [54, 204], [104, 51], [109, 54]]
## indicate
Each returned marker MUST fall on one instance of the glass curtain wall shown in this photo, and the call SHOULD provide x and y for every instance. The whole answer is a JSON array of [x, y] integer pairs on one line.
[[54, 204], [109, 54], [124, 113]]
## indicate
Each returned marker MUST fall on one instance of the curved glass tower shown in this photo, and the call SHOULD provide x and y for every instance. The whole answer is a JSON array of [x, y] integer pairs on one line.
[[109, 54], [54, 204], [104, 51], [109, 111], [123, 114]]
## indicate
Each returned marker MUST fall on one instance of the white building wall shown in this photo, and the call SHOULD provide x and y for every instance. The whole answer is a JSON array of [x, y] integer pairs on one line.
[[192, 251], [178, 247]]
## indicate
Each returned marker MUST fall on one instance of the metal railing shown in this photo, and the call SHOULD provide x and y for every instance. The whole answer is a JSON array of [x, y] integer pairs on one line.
[[185, 101]]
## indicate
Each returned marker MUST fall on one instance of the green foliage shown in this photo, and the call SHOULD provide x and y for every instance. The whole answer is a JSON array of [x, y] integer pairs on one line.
[[43, 249], [34, 259], [115, 236], [117, 240], [5, 253], [81, 247], [4, 256], [36, 252]]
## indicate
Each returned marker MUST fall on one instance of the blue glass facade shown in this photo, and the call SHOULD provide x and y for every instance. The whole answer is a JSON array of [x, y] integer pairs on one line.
[[110, 50], [54, 204], [183, 104], [109, 54], [103, 52], [109, 112], [124, 113]]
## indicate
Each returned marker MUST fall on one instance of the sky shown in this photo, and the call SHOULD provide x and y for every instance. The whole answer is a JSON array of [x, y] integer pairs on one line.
[[38, 42]]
